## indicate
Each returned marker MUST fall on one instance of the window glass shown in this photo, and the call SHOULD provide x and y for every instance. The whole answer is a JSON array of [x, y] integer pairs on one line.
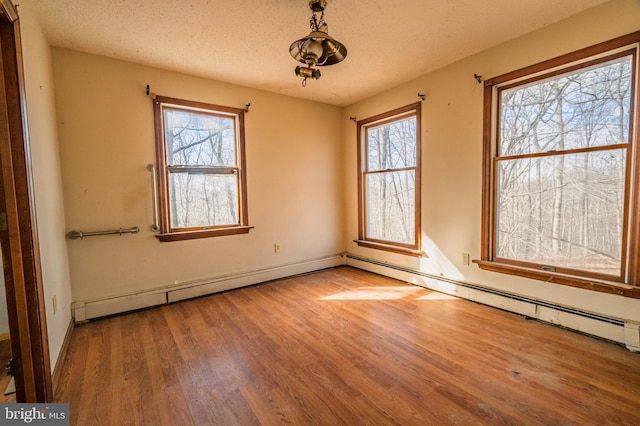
[[392, 146], [201, 170], [201, 200], [195, 138], [561, 170], [390, 206], [389, 184], [585, 108], [563, 210]]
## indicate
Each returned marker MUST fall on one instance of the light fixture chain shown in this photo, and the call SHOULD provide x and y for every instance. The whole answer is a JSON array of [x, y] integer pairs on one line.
[[314, 22]]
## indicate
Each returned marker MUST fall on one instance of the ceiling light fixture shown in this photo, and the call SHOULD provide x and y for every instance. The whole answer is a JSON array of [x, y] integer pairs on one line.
[[318, 49]]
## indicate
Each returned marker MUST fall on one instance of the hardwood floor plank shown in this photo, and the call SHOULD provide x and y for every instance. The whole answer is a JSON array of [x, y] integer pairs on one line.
[[193, 409], [342, 346], [270, 405], [70, 383], [5, 379], [96, 371]]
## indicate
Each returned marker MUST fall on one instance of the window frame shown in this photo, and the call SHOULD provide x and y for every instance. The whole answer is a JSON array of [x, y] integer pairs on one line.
[[167, 232], [629, 283], [412, 110]]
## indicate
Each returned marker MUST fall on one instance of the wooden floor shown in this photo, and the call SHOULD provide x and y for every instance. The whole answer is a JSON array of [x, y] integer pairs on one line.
[[5, 356], [342, 346]]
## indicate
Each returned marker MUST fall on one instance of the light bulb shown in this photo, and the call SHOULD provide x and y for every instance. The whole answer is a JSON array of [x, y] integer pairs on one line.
[[311, 51]]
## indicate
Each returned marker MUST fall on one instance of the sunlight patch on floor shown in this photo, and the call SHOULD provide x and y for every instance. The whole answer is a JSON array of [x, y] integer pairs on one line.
[[375, 293], [437, 296]]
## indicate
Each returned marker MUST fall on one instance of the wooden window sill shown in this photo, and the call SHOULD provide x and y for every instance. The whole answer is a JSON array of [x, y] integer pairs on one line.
[[392, 248], [205, 233], [620, 289]]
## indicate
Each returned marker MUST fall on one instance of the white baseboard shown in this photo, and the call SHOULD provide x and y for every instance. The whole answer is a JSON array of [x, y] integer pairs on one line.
[[83, 311], [218, 284], [96, 308], [632, 336], [614, 329]]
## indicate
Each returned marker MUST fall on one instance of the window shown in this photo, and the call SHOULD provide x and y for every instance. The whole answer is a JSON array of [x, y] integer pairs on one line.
[[389, 181], [201, 169], [561, 185]]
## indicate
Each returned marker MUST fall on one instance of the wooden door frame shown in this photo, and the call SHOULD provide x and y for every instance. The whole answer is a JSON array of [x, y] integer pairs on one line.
[[18, 239]]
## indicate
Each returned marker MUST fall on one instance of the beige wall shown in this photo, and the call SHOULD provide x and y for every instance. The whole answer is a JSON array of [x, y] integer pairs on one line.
[[105, 125], [46, 177], [452, 155]]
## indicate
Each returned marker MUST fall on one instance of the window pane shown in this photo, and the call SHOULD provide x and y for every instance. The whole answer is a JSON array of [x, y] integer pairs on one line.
[[199, 139], [392, 146], [585, 108], [564, 210], [203, 200], [390, 205]]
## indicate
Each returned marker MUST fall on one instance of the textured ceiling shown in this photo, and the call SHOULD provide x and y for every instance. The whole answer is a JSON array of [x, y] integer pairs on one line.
[[246, 42]]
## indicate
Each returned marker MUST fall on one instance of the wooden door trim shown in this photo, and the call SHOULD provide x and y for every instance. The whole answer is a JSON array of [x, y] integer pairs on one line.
[[21, 257]]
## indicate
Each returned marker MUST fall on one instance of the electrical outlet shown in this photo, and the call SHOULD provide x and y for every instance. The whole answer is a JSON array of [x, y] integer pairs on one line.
[[466, 259], [54, 302], [276, 248]]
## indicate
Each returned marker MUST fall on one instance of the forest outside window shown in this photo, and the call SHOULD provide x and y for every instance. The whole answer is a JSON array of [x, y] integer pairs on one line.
[[561, 170], [201, 169], [389, 181]]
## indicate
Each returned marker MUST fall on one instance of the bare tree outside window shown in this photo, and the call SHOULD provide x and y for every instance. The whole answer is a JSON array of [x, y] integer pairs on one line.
[[201, 167], [389, 181], [201, 159], [391, 159], [561, 170]]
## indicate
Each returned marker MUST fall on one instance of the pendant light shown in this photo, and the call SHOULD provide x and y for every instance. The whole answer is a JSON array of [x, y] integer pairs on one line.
[[317, 49]]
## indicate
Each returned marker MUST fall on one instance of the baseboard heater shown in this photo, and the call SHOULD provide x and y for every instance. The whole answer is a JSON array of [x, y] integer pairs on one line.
[[98, 308], [614, 329]]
